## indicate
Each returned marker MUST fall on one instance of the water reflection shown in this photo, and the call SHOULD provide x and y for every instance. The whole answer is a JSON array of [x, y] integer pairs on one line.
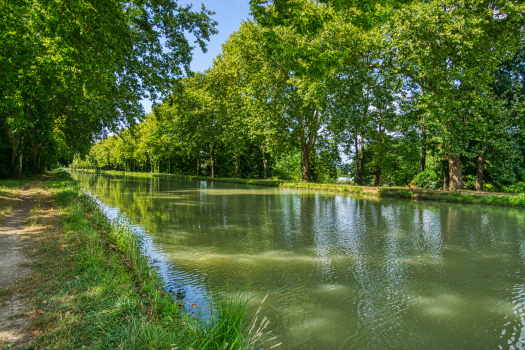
[[342, 272]]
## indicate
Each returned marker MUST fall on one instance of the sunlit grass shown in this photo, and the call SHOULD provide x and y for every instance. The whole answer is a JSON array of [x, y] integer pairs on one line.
[[9, 195]]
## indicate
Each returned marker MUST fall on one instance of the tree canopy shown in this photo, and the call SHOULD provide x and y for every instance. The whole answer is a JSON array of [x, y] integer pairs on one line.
[[385, 92], [71, 71]]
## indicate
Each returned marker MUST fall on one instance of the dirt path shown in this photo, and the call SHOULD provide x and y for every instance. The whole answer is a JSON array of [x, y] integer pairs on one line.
[[13, 312]]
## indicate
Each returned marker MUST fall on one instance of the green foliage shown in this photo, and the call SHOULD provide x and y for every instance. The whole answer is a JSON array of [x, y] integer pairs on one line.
[[288, 167], [307, 81], [427, 179], [74, 70], [518, 187], [489, 188]]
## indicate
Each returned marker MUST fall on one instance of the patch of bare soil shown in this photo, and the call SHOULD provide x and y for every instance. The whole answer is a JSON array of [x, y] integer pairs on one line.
[[14, 319]]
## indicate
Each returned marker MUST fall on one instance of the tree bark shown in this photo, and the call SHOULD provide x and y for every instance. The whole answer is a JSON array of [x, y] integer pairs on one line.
[[423, 158], [424, 138], [265, 164], [16, 159], [180, 165], [361, 180], [198, 158], [455, 176], [212, 156], [305, 155], [169, 165], [237, 165], [20, 163], [158, 166], [357, 161], [377, 181], [479, 172]]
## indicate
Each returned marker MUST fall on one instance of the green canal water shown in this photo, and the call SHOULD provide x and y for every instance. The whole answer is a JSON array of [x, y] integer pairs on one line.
[[341, 272]]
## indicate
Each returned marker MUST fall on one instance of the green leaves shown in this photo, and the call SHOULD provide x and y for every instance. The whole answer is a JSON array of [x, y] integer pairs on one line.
[[84, 66]]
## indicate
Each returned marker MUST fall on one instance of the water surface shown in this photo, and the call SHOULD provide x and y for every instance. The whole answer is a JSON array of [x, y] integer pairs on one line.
[[341, 272]]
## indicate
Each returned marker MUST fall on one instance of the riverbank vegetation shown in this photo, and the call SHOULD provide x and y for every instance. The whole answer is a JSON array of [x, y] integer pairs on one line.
[[416, 98], [92, 287], [457, 196]]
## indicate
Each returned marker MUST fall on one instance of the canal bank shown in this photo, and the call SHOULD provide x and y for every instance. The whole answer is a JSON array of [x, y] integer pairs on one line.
[[89, 285], [464, 196]]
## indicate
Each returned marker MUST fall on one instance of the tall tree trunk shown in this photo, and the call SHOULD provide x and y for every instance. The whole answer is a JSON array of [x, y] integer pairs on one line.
[[20, 162], [237, 165], [16, 159], [265, 164], [357, 160], [169, 165], [479, 172], [212, 156], [305, 155], [180, 164], [198, 158], [158, 166], [455, 176], [361, 180], [424, 138], [377, 181], [39, 161], [423, 158], [379, 170]]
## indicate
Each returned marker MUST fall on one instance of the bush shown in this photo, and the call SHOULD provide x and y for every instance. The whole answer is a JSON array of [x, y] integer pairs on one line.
[[289, 167], [469, 182], [518, 187], [427, 179], [489, 188]]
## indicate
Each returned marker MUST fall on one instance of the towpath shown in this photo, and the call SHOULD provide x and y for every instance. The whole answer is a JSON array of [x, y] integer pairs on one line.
[[14, 319]]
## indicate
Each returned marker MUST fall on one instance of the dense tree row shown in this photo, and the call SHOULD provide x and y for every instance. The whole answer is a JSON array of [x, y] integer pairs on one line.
[[72, 70], [431, 94]]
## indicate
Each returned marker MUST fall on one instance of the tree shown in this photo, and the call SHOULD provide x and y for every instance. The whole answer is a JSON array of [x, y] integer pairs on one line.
[[82, 67], [451, 50]]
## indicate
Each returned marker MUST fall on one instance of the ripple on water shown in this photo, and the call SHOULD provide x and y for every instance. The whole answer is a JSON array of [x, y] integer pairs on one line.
[[340, 272]]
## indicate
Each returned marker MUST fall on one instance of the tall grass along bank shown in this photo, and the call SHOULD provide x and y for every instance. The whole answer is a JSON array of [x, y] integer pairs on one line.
[[466, 197], [92, 287]]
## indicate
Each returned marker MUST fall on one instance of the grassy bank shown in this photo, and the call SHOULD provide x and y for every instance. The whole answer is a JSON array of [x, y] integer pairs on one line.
[[471, 197], [92, 287]]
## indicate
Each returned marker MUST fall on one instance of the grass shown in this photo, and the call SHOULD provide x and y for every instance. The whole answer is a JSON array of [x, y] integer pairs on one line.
[[92, 287], [395, 192], [456, 197], [226, 324], [324, 187], [9, 195]]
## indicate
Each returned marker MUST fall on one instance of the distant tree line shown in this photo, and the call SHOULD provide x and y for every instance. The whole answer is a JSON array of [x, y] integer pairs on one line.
[[429, 93]]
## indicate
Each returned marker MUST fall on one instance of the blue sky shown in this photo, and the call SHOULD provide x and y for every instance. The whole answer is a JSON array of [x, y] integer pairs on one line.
[[229, 14]]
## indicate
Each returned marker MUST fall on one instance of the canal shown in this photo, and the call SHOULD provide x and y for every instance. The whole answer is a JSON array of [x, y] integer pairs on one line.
[[340, 271]]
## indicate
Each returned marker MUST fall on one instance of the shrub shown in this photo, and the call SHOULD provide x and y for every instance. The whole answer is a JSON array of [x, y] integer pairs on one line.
[[427, 179], [489, 188], [469, 182], [518, 187]]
